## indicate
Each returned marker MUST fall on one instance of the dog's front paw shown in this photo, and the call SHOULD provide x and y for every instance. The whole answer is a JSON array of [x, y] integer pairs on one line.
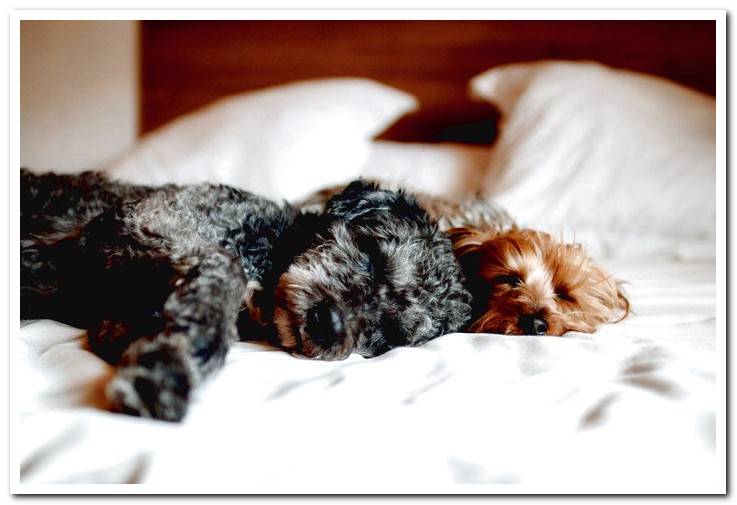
[[154, 382]]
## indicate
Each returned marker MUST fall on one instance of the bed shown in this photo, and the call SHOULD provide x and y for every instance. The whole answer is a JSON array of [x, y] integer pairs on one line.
[[632, 408]]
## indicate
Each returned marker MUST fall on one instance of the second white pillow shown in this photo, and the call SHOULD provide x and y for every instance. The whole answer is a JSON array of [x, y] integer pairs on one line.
[[585, 146]]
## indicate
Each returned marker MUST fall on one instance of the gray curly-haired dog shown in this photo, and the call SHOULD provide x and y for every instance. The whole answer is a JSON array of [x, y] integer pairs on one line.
[[164, 278]]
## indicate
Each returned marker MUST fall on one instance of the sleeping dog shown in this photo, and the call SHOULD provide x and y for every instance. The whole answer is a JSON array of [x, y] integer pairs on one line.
[[165, 278]]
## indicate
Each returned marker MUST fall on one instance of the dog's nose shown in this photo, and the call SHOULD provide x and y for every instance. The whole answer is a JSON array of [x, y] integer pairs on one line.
[[533, 324], [324, 324]]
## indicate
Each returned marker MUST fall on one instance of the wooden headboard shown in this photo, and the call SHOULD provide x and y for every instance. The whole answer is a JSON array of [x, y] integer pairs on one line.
[[186, 64]]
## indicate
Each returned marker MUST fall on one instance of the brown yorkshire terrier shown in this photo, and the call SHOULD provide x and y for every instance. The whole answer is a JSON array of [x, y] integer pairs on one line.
[[523, 282]]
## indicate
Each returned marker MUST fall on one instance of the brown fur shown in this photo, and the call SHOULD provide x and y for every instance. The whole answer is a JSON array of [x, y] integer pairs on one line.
[[526, 272]]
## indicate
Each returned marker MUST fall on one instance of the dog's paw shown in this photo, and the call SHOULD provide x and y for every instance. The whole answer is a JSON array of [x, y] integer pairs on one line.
[[143, 392], [154, 382]]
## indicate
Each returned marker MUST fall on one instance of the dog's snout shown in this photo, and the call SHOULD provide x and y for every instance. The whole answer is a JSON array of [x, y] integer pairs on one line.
[[324, 325], [532, 324]]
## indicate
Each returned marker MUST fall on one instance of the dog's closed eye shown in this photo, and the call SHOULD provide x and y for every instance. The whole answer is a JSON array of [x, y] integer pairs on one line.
[[562, 293], [509, 279]]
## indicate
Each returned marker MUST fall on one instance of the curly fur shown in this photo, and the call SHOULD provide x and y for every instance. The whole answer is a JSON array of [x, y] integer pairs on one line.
[[389, 275], [165, 278]]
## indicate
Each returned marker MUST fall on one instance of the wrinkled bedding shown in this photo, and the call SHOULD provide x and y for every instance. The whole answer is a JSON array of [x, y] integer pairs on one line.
[[631, 408]]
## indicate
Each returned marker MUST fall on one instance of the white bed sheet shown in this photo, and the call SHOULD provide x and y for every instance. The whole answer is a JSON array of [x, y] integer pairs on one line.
[[631, 408]]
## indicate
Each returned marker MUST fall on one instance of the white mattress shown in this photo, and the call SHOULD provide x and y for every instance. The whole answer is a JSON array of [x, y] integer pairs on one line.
[[631, 408]]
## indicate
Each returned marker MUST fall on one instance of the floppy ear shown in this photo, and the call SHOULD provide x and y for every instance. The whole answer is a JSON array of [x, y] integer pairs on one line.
[[609, 292], [364, 201], [467, 240], [603, 299], [355, 200]]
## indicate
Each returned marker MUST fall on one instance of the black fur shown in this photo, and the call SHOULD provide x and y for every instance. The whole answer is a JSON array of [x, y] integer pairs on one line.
[[164, 278], [388, 274]]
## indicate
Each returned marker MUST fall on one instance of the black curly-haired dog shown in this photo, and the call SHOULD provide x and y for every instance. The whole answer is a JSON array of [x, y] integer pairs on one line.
[[164, 278]]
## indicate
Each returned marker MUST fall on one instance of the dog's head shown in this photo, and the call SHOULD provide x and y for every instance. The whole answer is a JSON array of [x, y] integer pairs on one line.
[[525, 282], [377, 275]]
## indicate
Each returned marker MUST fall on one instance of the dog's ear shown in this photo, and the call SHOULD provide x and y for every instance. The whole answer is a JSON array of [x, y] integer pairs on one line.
[[354, 201], [366, 201], [467, 241]]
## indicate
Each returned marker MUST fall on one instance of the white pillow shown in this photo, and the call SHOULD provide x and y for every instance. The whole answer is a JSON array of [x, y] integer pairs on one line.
[[446, 169], [585, 146], [281, 142]]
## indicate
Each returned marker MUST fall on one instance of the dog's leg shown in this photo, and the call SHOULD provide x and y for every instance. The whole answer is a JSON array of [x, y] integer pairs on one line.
[[157, 374]]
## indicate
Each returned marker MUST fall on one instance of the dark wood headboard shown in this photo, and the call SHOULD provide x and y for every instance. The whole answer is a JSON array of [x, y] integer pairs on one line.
[[186, 64]]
